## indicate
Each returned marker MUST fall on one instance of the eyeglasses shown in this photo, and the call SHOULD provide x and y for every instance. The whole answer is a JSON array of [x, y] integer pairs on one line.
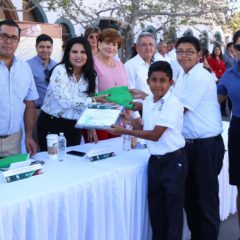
[[187, 52], [237, 47], [92, 36], [47, 74], [5, 37]]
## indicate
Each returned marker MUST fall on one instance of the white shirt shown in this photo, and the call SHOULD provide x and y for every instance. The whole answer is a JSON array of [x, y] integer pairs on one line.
[[198, 93], [172, 54], [16, 86], [177, 70], [167, 112], [65, 95], [159, 57], [137, 73]]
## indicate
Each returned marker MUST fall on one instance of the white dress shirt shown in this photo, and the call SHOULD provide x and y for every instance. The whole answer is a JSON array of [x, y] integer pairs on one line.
[[16, 86], [167, 112], [159, 57], [65, 95], [198, 93], [137, 73], [172, 54]]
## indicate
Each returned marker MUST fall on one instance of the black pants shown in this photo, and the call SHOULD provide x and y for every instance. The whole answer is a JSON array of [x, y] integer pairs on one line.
[[202, 201], [166, 183], [48, 124], [234, 151]]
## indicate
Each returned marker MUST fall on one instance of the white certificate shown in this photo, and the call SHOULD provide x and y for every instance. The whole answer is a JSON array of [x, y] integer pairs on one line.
[[99, 116]]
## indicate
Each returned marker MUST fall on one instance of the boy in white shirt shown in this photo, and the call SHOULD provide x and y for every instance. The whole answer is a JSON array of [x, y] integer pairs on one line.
[[161, 126]]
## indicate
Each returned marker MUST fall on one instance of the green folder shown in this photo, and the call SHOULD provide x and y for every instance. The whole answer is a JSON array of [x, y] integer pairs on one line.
[[120, 95], [6, 161]]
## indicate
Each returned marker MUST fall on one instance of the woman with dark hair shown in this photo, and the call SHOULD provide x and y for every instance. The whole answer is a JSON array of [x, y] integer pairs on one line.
[[72, 86], [91, 34], [229, 86], [216, 62]]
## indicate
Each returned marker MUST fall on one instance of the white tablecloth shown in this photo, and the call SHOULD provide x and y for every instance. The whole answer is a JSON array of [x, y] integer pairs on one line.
[[227, 193], [81, 200]]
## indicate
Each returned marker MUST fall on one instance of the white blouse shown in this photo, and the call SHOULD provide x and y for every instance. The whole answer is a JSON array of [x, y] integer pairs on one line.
[[65, 95]]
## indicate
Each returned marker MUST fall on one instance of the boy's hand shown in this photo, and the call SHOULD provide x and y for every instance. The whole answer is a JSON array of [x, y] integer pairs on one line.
[[137, 106], [116, 130], [138, 94]]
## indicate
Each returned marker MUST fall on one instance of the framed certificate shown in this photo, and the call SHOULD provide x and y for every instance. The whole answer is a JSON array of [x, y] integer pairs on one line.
[[99, 116]]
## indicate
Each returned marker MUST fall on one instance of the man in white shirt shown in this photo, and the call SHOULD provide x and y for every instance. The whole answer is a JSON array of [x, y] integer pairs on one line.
[[202, 127], [137, 67], [162, 52], [17, 91]]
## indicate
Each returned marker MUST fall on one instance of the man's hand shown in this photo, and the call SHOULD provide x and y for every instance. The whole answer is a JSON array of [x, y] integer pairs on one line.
[[138, 94], [31, 146]]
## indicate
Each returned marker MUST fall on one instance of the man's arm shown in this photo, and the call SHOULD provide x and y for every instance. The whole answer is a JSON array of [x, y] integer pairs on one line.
[[29, 121]]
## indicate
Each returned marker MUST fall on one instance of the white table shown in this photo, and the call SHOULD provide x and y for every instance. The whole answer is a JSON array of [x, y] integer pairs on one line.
[[81, 200]]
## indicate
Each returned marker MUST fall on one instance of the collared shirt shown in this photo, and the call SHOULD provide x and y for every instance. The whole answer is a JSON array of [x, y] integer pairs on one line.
[[38, 67], [172, 54], [167, 112], [197, 91], [16, 86], [229, 85], [65, 95], [229, 60], [137, 73], [159, 57]]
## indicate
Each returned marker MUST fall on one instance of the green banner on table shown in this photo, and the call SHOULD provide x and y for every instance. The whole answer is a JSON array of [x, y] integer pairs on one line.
[[120, 95]]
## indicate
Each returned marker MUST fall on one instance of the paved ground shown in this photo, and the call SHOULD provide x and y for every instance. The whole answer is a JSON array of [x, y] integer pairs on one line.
[[229, 229]]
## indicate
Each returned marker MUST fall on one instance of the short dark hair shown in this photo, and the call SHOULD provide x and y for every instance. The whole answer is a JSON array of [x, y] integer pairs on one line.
[[161, 66], [88, 70], [12, 23], [190, 39], [229, 45], [43, 37], [236, 36]]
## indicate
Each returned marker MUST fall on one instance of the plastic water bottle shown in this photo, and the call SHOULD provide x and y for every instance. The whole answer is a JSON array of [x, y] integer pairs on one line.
[[62, 143], [127, 140]]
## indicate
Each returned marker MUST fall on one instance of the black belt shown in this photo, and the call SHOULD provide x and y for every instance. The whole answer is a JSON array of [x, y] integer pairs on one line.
[[4, 136], [171, 154], [203, 140]]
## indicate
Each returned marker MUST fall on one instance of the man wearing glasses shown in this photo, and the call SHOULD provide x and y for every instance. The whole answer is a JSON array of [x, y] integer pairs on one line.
[[17, 91]]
